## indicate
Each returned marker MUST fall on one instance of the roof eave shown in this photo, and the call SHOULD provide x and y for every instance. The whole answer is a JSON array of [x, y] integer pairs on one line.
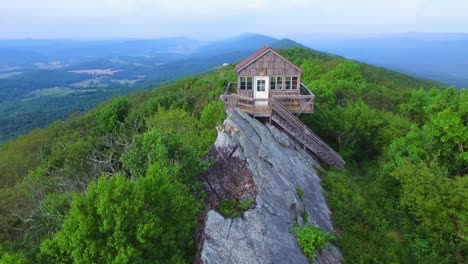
[[263, 53]]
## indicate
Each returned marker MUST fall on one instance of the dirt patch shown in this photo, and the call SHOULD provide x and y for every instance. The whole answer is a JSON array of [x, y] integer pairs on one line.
[[97, 71], [230, 178]]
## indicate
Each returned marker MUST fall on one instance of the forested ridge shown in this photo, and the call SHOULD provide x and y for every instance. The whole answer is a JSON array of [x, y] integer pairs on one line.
[[119, 183]]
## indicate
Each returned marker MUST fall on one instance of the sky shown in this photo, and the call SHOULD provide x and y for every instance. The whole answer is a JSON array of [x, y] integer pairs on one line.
[[212, 19]]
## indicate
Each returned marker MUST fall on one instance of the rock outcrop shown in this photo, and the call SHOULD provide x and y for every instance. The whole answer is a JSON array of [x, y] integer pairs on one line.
[[258, 161]]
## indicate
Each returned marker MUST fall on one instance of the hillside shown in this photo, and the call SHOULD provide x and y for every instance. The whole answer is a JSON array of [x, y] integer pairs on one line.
[[120, 183]]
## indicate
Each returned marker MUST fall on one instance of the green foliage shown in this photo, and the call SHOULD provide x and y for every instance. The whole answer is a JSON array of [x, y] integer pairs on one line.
[[228, 208], [167, 151], [122, 221], [41, 171], [232, 208], [245, 205], [300, 193], [112, 114], [347, 70], [436, 202], [402, 198], [177, 121], [310, 239], [16, 258], [19, 155], [305, 216]]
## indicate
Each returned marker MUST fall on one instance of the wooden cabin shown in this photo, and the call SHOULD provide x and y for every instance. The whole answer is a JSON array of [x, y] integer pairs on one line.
[[266, 75], [268, 85]]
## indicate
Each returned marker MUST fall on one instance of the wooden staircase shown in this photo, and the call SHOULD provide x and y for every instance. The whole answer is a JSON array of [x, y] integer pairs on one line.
[[281, 116]]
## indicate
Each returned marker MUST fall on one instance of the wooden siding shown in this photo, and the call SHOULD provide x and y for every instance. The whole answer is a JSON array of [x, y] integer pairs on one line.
[[270, 64]]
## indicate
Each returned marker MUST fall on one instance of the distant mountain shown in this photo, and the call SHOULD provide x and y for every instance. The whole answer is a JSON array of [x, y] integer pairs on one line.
[[147, 47], [41, 77], [287, 44], [29, 52], [243, 42], [439, 57]]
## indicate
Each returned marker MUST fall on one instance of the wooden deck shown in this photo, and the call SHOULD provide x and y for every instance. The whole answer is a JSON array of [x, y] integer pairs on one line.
[[295, 103]]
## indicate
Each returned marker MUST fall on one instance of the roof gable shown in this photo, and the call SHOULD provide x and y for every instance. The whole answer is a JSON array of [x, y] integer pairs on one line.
[[257, 55]]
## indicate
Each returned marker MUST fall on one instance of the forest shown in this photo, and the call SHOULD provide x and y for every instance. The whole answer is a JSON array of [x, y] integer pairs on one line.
[[119, 182]]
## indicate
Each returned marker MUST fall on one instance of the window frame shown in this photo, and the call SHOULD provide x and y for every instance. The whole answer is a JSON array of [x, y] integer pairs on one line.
[[281, 83], [273, 81], [245, 82], [262, 86], [288, 84], [294, 86], [249, 82]]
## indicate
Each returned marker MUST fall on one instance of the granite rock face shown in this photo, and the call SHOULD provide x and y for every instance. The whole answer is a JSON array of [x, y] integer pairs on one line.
[[258, 161]]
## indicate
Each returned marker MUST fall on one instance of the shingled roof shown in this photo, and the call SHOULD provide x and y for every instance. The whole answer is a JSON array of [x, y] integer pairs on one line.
[[256, 55]]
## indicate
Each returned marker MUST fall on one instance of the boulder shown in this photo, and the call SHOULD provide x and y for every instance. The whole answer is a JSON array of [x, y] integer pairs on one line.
[[257, 161]]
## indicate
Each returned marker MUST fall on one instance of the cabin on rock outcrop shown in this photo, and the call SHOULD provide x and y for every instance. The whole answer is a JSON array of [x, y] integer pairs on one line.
[[265, 75], [268, 85]]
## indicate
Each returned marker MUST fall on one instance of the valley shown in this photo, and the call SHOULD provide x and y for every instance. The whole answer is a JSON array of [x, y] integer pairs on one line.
[[50, 80]]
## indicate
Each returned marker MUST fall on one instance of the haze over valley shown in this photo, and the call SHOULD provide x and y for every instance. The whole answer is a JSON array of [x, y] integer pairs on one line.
[[45, 80]]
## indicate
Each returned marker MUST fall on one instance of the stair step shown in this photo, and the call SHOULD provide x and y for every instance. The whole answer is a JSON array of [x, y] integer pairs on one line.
[[299, 131]]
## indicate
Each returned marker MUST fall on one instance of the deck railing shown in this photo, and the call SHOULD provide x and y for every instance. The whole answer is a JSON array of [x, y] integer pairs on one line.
[[303, 134], [295, 103]]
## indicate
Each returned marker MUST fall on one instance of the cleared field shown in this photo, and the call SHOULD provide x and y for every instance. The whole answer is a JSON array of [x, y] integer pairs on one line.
[[55, 91], [89, 83], [7, 75], [97, 71]]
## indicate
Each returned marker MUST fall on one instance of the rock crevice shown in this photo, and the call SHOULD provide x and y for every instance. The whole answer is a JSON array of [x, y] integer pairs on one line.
[[253, 160]]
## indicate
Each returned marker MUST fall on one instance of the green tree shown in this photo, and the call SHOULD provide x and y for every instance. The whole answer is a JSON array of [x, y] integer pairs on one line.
[[16, 258], [438, 205], [150, 220], [112, 114], [166, 150]]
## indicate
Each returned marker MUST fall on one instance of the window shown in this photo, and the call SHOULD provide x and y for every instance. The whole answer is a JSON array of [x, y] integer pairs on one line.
[[295, 83], [273, 83], [276, 83], [279, 83], [260, 85], [287, 81], [249, 83], [246, 83]]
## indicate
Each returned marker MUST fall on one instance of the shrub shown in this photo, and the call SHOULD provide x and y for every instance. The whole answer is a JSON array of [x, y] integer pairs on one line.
[[305, 216], [232, 208], [300, 193], [310, 239]]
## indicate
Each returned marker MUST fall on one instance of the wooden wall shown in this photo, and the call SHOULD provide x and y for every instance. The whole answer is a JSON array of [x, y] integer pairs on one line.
[[270, 64]]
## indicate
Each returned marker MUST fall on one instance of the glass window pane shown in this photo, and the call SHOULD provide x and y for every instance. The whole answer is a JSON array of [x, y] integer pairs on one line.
[[294, 82], [279, 82], [242, 83], [260, 85], [288, 83], [249, 83], [273, 83]]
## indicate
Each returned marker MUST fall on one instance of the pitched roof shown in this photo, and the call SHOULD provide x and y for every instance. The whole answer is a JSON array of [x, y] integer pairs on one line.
[[256, 55], [251, 58]]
